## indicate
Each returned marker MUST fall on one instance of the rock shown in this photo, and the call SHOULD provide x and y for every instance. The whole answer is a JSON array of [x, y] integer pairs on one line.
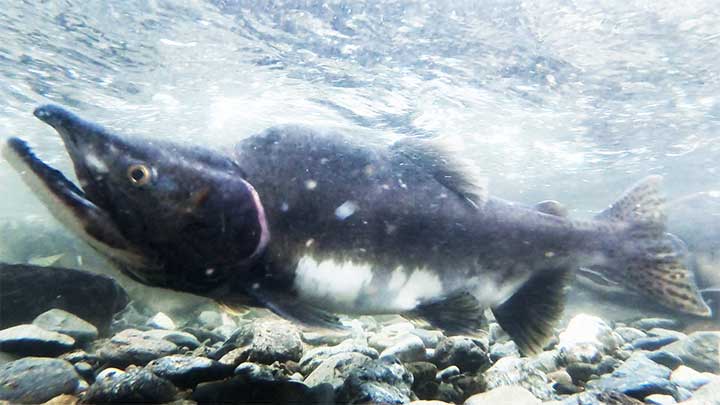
[[546, 361], [504, 395], [447, 373], [336, 368], [581, 353], [690, 379], [638, 377], [666, 332], [64, 399], [518, 371], [430, 338], [210, 319], [265, 342], [384, 381], [649, 323], [36, 380], [660, 399], [241, 390], [312, 358], [629, 334], [390, 335], [600, 398], [410, 348], [261, 372], [109, 372], [179, 338], [326, 339], [467, 353], [496, 334], [161, 321], [501, 350], [424, 384], [76, 356], [709, 394], [32, 340], [226, 331], [186, 371], [665, 358], [563, 382], [57, 320], [203, 335], [653, 342], [85, 370], [430, 402], [134, 347], [135, 385], [699, 351], [584, 331], [28, 291], [581, 372]]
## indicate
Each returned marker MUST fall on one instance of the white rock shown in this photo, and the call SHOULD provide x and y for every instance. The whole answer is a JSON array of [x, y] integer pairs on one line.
[[110, 372], [505, 395], [587, 329], [409, 349], [161, 321], [660, 399], [689, 378]]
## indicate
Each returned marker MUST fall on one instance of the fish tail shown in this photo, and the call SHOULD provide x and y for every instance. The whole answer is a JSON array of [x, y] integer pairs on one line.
[[648, 258]]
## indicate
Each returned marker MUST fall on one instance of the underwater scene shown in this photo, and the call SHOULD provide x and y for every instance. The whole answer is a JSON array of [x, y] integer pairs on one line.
[[360, 202]]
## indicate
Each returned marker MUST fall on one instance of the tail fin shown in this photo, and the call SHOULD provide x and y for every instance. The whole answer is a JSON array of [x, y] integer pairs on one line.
[[652, 261]]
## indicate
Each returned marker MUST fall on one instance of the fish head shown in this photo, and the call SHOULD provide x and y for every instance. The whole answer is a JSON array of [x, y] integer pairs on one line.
[[188, 213]]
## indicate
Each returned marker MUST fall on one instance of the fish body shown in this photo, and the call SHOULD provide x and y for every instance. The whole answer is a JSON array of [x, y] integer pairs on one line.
[[309, 223]]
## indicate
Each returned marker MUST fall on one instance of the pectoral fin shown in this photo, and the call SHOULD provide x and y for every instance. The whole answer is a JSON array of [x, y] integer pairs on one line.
[[530, 315]]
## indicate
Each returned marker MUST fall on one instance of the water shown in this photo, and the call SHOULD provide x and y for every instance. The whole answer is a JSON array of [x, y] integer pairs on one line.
[[567, 100]]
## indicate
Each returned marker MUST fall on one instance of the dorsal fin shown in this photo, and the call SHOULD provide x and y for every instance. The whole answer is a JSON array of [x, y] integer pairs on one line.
[[640, 203], [447, 169]]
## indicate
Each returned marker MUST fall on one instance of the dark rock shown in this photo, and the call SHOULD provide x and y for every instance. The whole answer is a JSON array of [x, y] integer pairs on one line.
[[665, 358], [187, 372], [449, 393], [135, 385], [134, 347], [608, 364], [581, 372], [467, 353], [518, 371], [85, 370], [638, 377], [76, 356], [34, 341], [500, 350], [33, 380], [204, 335], [468, 385], [326, 338], [265, 342], [27, 291], [241, 390], [600, 398], [447, 373], [312, 358], [181, 339], [653, 342], [699, 351], [650, 323], [58, 320], [383, 381], [424, 384], [335, 369]]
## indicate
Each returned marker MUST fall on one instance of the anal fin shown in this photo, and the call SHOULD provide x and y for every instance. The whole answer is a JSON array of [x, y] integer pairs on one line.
[[460, 313], [530, 315]]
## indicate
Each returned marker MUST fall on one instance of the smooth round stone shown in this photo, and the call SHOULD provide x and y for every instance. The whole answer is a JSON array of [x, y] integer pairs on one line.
[[630, 334], [638, 377], [698, 351], [581, 353], [186, 371], [691, 379], [210, 319], [505, 395], [649, 323], [665, 358], [325, 339], [135, 385], [34, 380], [430, 338], [134, 347], [546, 361], [467, 353], [409, 349], [518, 371], [34, 341], [312, 358], [110, 372], [586, 330], [174, 336], [446, 373], [57, 320], [660, 399], [653, 342], [666, 332], [85, 370], [161, 321]]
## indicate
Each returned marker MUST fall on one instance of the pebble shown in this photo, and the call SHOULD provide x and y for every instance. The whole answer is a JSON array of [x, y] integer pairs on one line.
[[546, 361], [174, 336], [430, 338], [36, 380], [57, 320], [326, 339], [505, 395], [653, 342], [650, 323], [708, 394], [336, 368], [630, 334], [581, 372], [424, 373], [469, 354], [665, 358], [132, 346], [691, 379], [85, 370], [518, 371], [244, 390], [584, 331], [660, 399], [186, 371], [265, 342], [666, 332], [390, 335], [135, 385], [382, 381], [410, 348], [638, 377], [210, 319], [699, 351], [161, 321], [446, 373], [34, 341], [312, 358], [500, 350], [109, 372]]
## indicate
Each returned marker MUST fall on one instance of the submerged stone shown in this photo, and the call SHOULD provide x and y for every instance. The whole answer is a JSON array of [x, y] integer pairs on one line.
[[134, 386], [58, 320], [36, 380], [34, 341], [698, 351], [132, 346], [187, 372], [638, 377]]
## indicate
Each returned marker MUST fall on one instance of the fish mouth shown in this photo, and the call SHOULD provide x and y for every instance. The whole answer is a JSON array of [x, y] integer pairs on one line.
[[67, 202]]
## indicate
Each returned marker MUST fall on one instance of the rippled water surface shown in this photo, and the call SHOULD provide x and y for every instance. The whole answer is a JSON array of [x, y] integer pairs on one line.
[[552, 99]]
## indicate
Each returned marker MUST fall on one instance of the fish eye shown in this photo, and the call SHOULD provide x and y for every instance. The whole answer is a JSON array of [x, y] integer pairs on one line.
[[139, 174]]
